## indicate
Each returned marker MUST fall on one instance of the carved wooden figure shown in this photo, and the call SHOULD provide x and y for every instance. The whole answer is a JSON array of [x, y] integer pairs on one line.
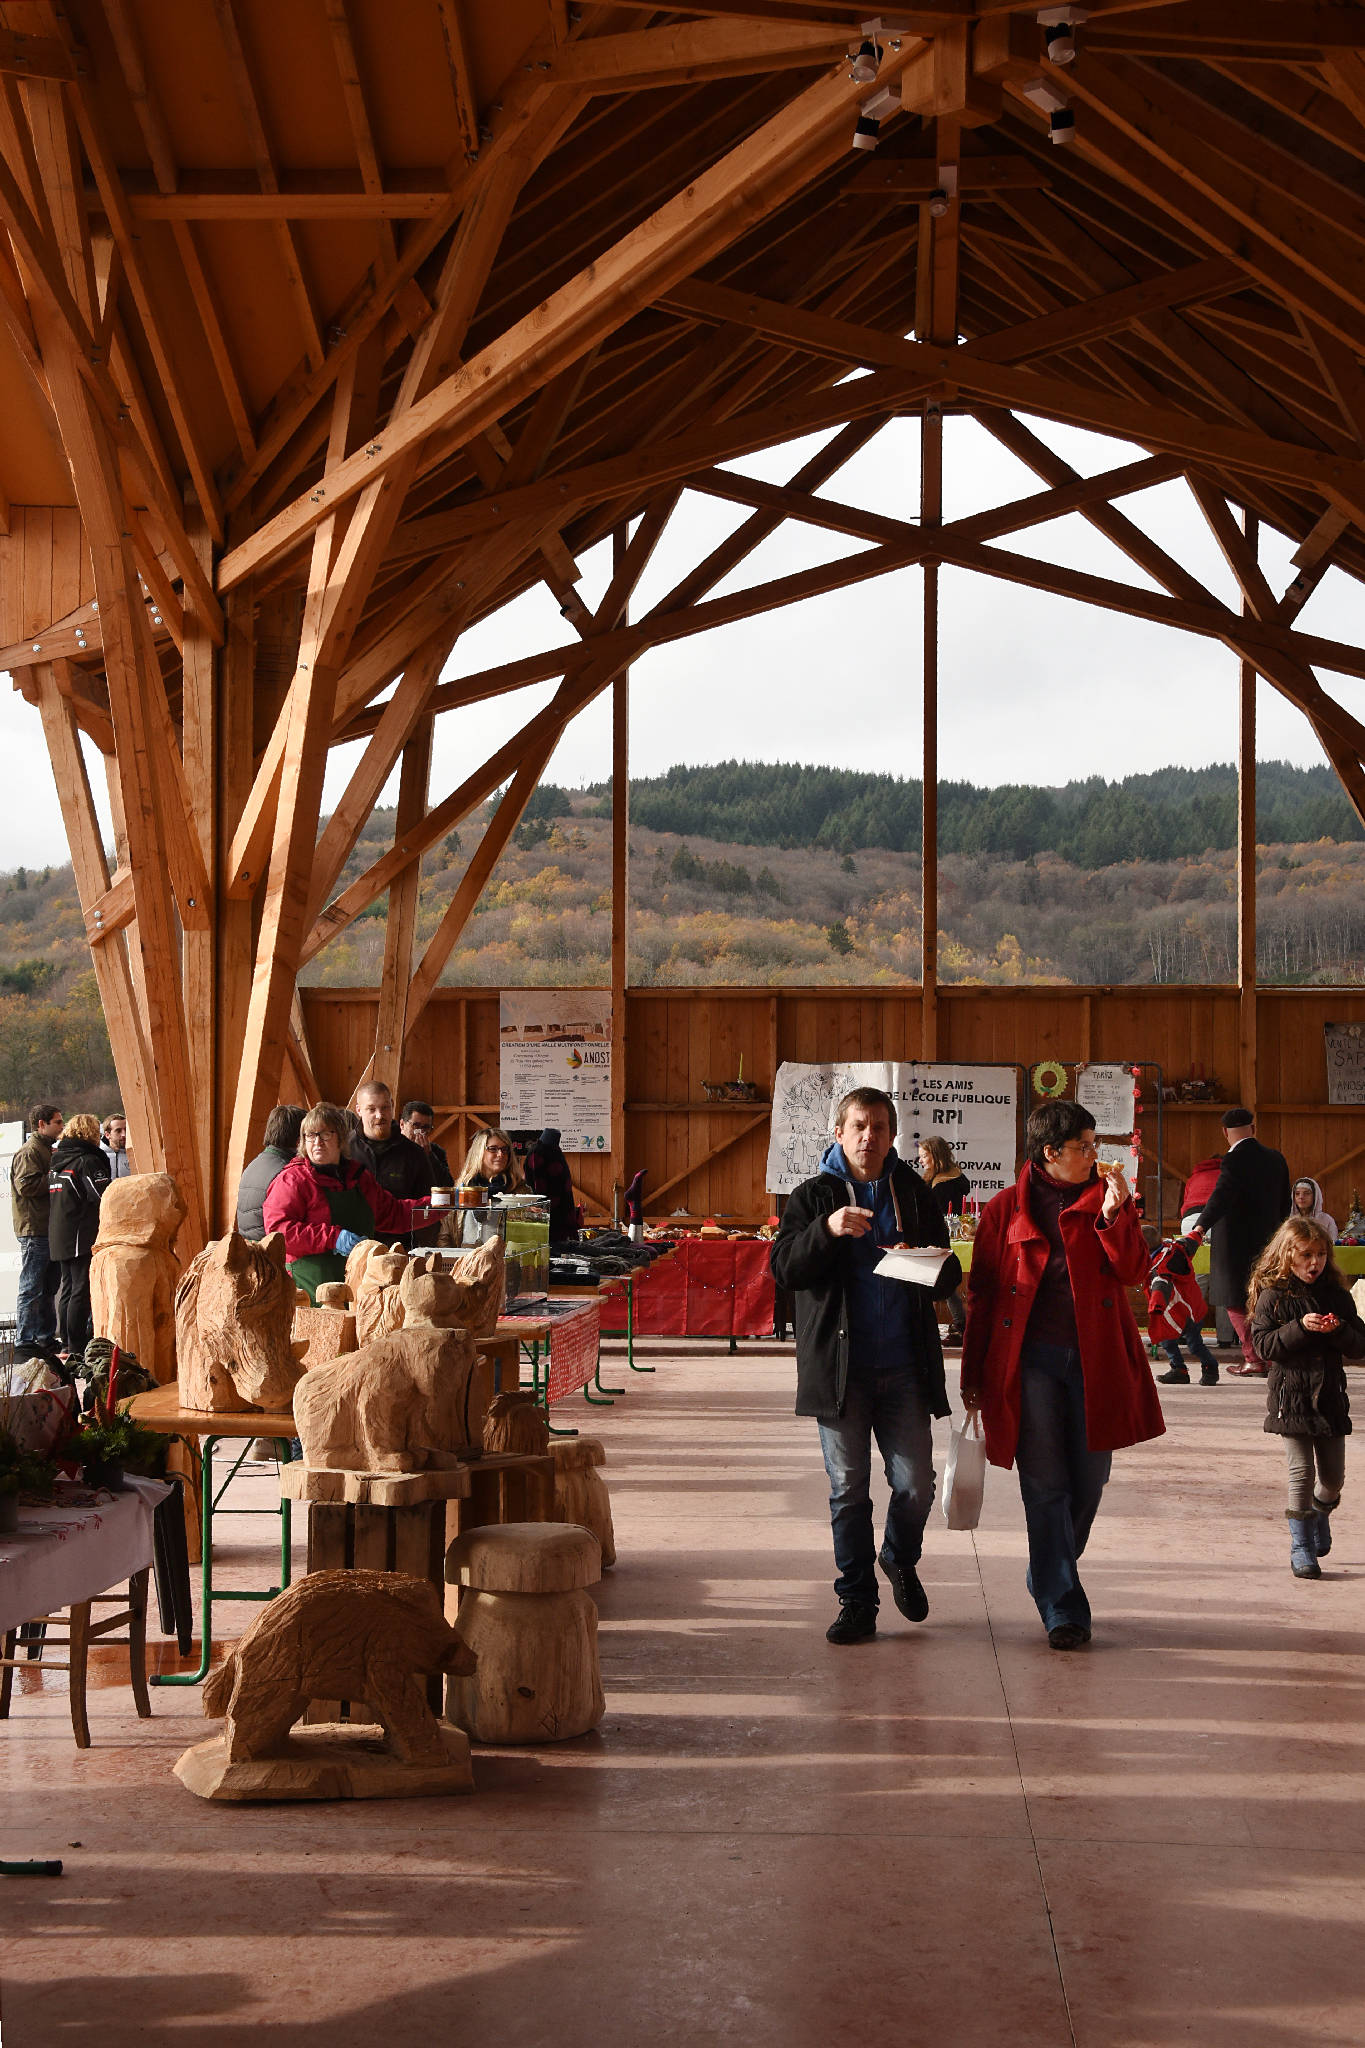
[[373, 1271], [401, 1403], [234, 1312], [515, 1424], [324, 1333], [532, 1626], [581, 1495], [134, 1271], [355, 1635]]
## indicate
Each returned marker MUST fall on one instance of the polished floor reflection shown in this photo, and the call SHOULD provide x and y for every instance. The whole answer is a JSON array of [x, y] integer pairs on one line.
[[949, 1835]]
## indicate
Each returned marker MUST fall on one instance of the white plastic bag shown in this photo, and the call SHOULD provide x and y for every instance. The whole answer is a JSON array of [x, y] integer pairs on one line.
[[964, 1477]]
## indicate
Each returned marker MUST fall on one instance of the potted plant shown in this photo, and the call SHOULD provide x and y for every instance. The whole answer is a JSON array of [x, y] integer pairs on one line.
[[21, 1471], [108, 1442]]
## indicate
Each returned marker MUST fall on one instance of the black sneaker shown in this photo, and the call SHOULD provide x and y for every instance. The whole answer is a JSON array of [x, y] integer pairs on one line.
[[1207, 1377], [906, 1590], [1068, 1635], [1176, 1377], [856, 1624]]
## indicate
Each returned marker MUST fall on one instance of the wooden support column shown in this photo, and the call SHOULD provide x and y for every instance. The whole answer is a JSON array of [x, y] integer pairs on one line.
[[199, 715], [386, 1062], [1246, 865], [620, 889], [931, 514]]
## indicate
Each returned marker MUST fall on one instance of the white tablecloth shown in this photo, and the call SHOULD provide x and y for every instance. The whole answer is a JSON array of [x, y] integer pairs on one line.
[[64, 1553]]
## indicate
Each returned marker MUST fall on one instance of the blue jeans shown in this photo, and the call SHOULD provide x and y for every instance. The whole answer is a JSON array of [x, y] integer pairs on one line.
[[36, 1315], [1061, 1481], [890, 1406], [1192, 1337]]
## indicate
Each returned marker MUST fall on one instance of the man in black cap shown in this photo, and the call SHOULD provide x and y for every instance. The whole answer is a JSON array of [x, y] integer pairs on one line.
[[1250, 1200]]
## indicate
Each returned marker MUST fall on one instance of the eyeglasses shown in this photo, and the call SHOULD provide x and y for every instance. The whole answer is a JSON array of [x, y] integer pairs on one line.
[[1085, 1145], [421, 1130]]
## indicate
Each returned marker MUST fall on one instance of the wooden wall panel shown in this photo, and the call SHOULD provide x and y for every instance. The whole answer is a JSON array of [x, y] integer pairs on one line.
[[678, 1039]]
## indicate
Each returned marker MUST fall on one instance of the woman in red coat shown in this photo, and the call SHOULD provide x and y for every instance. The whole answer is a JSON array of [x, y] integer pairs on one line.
[[1052, 1357]]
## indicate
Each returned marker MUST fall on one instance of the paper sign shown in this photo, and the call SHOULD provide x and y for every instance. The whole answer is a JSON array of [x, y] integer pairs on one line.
[[1345, 1062], [554, 1065], [1110, 1094], [973, 1108]]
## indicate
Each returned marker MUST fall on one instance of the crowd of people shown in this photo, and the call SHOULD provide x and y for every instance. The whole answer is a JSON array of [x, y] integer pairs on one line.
[[1055, 1372], [324, 1179]]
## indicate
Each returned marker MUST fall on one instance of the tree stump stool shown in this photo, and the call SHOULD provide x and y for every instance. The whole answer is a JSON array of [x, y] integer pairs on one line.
[[533, 1628], [581, 1492]]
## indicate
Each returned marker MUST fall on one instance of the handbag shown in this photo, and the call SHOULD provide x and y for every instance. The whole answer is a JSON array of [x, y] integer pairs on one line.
[[964, 1476]]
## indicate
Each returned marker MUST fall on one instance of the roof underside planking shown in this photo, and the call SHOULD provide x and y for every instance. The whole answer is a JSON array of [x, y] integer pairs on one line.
[[326, 329]]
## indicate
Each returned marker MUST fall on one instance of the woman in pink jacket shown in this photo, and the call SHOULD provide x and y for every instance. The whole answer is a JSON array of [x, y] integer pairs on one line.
[[324, 1204], [1052, 1357]]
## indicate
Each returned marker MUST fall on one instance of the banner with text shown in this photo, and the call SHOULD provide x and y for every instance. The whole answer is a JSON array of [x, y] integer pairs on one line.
[[973, 1108], [554, 1065]]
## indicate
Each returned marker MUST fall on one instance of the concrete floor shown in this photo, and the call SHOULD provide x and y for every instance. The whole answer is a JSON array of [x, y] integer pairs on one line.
[[952, 1835]]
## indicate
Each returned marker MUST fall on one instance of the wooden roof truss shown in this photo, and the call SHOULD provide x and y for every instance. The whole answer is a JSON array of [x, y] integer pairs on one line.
[[332, 330]]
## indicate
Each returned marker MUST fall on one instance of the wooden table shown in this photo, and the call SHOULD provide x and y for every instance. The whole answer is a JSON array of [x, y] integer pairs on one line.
[[160, 1410]]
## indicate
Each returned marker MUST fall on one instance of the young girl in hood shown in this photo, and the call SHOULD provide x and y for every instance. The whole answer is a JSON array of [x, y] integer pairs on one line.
[[1307, 1199], [1303, 1324]]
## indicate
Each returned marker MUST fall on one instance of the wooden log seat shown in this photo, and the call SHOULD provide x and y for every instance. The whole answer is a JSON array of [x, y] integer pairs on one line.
[[581, 1494], [532, 1626]]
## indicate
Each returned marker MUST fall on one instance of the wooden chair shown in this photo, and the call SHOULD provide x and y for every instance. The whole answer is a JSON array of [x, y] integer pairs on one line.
[[83, 1629]]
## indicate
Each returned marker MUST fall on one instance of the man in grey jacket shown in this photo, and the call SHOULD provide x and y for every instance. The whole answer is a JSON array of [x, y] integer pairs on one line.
[[281, 1145], [36, 1331]]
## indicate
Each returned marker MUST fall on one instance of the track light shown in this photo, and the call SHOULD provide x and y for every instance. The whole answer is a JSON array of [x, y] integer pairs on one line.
[[1058, 24], [938, 203], [866, 63], [1061, 127], [1044, 95], [872, 113]]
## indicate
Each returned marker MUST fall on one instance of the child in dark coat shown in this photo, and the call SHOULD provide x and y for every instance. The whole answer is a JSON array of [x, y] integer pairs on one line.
[[1303, 1325]]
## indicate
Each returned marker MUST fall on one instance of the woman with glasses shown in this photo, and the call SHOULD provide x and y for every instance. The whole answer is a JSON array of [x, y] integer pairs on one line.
[[1052, 1358], [489, 1163]]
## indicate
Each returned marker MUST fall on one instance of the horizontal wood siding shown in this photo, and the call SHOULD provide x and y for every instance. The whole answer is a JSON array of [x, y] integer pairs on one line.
[[679, 1039]]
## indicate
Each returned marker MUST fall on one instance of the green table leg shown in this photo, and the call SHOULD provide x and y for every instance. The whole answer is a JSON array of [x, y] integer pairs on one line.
[[208, 1593], [602, 1398], [630, 1331], [541, 1388]]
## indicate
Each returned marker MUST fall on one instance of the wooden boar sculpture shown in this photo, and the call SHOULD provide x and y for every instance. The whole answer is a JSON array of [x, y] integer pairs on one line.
[[134, 1271], [407, 1402], [368, 1636], [234, 1312]]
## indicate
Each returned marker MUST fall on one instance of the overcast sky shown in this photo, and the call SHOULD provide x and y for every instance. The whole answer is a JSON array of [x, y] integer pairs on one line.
[[1033, 688]]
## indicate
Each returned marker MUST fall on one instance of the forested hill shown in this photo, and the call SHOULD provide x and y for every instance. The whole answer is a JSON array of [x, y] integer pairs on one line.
[[1174, 813]]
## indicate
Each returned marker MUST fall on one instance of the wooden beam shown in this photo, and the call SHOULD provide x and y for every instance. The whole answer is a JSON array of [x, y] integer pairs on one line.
[[931, 518], [757, 176], [1246, 854], [915, 178], [24, 56], [691, 51], [733, 1137], [386, 1061], [620, 889]]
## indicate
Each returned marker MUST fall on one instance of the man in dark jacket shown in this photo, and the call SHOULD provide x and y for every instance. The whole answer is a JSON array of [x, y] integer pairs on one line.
[[401, 1168], [1250, 1200], [35, 1334], [281, 1145], [76, 1181], [417, 1121], [869, 1362]]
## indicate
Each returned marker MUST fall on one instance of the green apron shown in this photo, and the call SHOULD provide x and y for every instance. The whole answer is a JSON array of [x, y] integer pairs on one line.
[[349, 1211]]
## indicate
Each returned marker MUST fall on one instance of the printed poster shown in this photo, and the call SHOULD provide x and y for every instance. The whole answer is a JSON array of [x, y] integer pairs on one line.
[[554, 1065], [973, 1108]]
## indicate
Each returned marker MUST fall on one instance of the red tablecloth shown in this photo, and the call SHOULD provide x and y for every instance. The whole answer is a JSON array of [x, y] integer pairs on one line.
[[573, 1346], [711, 1287]]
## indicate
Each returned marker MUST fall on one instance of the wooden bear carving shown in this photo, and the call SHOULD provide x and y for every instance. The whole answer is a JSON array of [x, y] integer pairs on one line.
[[401, 1403], [355, 1635], [234, 1314]]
